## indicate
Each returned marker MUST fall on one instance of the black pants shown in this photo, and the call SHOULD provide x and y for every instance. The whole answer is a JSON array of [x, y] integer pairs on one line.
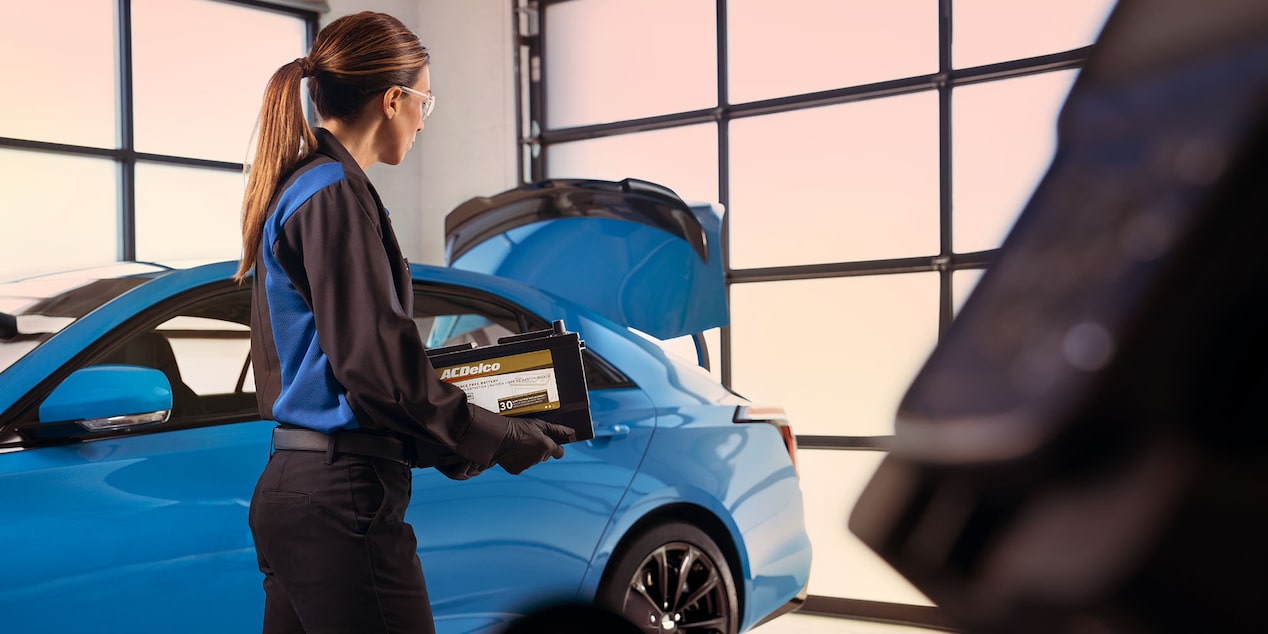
[[334, 547]]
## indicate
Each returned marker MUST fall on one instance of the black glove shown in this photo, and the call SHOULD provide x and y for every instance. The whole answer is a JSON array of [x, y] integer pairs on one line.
[[529, 441]]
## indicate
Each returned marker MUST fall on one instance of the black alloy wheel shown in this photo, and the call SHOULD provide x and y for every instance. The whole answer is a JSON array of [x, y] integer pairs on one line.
[[672, 578]]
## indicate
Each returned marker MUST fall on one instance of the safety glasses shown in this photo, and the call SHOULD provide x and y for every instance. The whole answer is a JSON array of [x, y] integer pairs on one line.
[[429, 100]]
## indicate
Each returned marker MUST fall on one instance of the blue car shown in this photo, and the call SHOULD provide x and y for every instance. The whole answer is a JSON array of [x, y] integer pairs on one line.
[[130, 439]]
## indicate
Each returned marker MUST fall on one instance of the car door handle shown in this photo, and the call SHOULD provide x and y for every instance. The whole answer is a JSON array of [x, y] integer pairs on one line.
[[612, 431]]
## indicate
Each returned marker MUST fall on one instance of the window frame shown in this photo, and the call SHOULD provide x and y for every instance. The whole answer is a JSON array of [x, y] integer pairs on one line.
[[174, 335], [536, 138]]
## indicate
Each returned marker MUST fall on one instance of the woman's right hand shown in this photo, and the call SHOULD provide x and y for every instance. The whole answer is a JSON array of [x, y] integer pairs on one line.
[[530, 441]]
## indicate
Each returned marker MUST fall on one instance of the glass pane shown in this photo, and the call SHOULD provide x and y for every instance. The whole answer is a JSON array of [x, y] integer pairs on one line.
[[61, 57], [185, 212], [198, 93], [790, 47], [846, 376], [211, 353], [607, 60], [1003, 136], [203, 351], [451, 320], [49, 227], [857, 181], [682, 159], [988, 31], [843, 566]]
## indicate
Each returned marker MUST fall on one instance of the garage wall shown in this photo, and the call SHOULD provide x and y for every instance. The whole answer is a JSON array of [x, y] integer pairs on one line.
[[467, 146]]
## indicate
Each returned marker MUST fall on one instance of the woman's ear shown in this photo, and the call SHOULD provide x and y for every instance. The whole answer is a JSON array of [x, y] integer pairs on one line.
[[392, 102]]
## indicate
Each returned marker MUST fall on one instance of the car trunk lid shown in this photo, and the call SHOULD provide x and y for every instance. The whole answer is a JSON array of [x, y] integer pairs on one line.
[[632, 250]]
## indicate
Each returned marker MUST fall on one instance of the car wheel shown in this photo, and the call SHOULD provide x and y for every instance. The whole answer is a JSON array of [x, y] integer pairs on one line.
[[672, 578]]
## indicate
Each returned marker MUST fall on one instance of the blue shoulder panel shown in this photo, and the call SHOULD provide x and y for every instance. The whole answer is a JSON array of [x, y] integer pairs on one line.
[[310, 396]]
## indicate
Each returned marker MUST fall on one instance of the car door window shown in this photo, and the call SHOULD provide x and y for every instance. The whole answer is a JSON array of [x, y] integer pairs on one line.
[[215, 360], [447, 318], [204, 348]]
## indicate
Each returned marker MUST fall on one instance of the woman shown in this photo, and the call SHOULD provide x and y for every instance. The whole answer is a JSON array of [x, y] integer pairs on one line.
[[338, 359]]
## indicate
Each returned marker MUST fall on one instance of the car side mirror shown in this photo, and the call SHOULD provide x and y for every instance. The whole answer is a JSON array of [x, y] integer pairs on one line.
[[106, 398]]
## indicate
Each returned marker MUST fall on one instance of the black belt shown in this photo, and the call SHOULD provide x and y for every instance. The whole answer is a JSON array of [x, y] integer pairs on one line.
[[343, 442]]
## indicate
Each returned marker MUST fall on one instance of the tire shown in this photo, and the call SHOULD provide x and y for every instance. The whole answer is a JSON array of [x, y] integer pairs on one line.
[[638, 580]]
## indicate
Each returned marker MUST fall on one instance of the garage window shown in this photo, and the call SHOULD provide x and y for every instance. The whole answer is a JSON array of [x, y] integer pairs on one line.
[[130, 123], [871, 157]]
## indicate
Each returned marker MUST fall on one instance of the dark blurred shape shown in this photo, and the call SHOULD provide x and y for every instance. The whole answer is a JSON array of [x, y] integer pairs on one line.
[[571, 618], [8, 326], [1086, 450]]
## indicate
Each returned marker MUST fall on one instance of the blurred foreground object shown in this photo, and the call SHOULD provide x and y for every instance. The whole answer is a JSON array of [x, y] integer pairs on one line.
[[1086, 450], [571, 618]]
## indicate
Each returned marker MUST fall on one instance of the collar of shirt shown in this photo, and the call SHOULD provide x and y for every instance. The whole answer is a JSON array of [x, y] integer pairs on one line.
[[329, 145]]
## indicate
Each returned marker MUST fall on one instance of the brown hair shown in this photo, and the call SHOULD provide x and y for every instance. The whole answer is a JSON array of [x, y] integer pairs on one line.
[[353, 60]]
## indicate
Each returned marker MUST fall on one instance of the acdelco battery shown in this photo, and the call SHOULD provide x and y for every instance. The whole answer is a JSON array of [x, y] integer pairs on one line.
[[536, 374]]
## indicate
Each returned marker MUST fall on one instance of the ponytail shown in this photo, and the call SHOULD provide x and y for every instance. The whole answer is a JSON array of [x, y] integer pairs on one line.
[[353, 59], [285, 139]]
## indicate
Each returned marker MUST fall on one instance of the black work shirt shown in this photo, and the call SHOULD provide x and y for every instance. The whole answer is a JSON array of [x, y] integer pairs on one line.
[[334, 343]]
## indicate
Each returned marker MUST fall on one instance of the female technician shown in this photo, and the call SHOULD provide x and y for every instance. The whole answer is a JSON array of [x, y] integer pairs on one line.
[[338, 359]]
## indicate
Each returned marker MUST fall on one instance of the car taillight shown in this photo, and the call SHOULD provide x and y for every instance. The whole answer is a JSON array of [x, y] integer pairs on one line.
[[772, 415]]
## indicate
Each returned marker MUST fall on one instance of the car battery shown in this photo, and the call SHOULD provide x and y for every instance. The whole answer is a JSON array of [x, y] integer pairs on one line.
[[536, 374]]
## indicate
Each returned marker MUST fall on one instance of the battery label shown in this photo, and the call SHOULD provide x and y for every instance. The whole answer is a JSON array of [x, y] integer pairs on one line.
[[512, 385]]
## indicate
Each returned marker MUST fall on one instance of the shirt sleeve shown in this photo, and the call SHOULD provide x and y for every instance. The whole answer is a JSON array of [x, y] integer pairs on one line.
[[372, 344]]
